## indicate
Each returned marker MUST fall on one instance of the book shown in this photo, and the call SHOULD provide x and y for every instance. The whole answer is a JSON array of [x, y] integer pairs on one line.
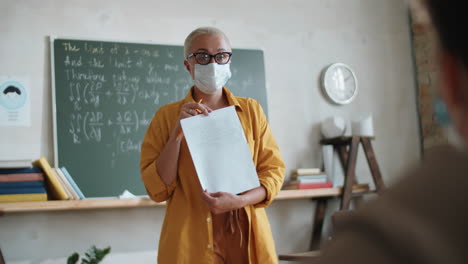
[[66, 183], [56, 189], [322, 175], [24, 170], [22, 177], [72, 182], [16, 163], [29, 197], [311, 180], [18, 190], [23, 184], [307, 171], [303, 186]]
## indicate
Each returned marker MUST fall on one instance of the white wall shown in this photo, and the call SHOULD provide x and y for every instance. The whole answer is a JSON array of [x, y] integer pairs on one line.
[[299, 37]]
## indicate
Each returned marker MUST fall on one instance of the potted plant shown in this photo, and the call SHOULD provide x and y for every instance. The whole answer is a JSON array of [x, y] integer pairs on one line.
[[92, 256]]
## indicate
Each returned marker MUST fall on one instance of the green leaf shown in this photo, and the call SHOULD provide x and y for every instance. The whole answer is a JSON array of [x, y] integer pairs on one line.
[[73, 259], [101, 253], [94, 255]]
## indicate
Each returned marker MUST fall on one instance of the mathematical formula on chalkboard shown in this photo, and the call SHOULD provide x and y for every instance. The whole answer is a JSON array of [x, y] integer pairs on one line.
[[99, 77]]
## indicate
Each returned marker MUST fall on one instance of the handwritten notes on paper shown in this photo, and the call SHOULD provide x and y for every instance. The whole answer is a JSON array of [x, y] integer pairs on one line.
[[220, 151]]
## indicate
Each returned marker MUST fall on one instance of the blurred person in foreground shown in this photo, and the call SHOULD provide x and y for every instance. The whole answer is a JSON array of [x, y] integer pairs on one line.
[[424, 218]]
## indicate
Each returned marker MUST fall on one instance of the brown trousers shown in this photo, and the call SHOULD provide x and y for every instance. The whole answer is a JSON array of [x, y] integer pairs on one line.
[[230, 237]]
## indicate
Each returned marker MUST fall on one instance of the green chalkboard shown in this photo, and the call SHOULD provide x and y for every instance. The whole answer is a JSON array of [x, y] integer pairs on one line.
[[105, 95]]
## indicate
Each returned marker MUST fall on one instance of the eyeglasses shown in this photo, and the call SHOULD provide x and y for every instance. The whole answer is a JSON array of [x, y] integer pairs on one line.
[[204, 58]]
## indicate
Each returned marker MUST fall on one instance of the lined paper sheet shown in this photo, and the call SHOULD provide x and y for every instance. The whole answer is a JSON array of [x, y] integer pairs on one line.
[[220, 152]]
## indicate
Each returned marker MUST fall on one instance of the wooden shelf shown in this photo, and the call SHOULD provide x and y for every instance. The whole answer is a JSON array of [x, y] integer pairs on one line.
[[47, 206], [76, 205], [339, 140], [304, 256], [317, 193]]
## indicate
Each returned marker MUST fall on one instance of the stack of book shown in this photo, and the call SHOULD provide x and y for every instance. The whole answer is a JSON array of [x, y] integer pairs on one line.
[[22, 185], [308, 178], [61, 184], [38, 183]]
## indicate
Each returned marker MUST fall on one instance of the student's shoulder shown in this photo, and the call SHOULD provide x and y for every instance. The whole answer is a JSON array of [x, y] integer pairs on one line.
[[428, 202], [435, 188]]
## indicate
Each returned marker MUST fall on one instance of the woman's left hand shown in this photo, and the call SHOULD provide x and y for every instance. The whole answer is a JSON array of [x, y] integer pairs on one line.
[[222, 202]]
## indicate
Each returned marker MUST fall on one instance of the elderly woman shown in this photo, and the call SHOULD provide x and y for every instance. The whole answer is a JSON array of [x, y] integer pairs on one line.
[[202, 227]]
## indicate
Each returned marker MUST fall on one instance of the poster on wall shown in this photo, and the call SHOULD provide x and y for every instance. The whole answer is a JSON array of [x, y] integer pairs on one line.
[[15, 102]]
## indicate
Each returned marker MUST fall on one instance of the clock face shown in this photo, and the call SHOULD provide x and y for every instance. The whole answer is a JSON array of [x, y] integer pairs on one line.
[[340, 83]]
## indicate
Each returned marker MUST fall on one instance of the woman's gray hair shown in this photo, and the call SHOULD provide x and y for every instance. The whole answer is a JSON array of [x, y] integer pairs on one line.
[[202, 31]]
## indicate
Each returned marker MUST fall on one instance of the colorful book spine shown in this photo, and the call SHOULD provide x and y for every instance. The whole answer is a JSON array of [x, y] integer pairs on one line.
[[18, 190], [72, 182], [24, 170], [308, 171], [71, 192], [22, 177], [311, 180], [15, 163], [57, 190], [63, 183], [30, 197], [304, 186], [309, 176], [24, 184]]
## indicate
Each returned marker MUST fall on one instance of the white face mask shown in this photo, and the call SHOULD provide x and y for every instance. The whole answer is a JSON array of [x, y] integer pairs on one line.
[[212, 77]]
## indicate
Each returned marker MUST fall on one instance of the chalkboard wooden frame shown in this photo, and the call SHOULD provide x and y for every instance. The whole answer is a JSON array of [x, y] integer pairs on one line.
[[254, 79]]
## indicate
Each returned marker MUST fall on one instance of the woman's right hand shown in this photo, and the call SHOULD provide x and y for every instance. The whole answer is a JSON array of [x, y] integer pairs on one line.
[[189, 110], [193, 109]]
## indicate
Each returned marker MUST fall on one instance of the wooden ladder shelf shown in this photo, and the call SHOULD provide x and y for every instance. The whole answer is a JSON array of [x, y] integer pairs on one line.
[[347, 149]]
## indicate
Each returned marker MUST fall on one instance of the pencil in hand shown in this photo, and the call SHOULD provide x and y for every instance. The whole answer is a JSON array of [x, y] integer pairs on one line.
[[181, 133]]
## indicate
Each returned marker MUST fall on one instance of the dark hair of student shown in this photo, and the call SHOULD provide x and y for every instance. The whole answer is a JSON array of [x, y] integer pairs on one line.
[[449, 17]]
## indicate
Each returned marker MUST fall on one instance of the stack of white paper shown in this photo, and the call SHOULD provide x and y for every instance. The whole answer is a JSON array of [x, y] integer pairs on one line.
[[220, 151]]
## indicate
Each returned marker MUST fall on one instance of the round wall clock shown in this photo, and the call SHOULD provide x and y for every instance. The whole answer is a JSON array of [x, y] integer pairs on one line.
[[340, 83]]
